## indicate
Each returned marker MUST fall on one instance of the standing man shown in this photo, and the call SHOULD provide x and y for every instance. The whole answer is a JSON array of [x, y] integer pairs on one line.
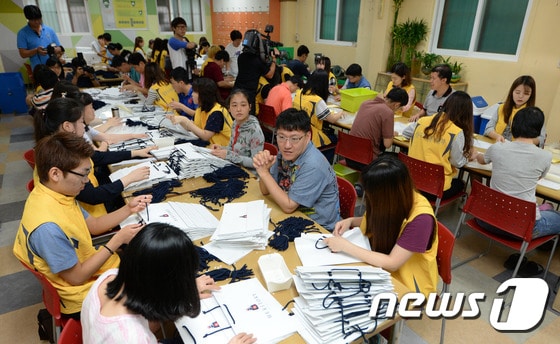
[[252, 67], [375, 121], [34, 38], [440, 77], [300, 177], [297, 65], [178, 44], [234, 49]]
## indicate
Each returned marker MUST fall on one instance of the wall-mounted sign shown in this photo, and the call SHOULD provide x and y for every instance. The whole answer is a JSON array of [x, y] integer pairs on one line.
[[124, 14]]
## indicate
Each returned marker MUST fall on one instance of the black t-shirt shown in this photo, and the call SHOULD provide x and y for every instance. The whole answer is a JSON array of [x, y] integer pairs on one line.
[[251, 68]]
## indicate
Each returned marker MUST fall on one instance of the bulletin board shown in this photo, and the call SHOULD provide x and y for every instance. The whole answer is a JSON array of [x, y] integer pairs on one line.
[[124, 14]]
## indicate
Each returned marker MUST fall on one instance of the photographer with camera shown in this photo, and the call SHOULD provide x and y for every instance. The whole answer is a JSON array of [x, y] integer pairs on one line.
[[181, 50], [256, 60], [84, 75], [35, 40]]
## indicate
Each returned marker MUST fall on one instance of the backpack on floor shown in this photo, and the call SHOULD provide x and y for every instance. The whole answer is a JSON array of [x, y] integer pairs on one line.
[[45, 322]]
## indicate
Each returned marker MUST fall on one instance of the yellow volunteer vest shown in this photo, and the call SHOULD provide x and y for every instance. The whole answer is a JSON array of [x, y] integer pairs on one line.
[[420, 272], [258, 97], [95, 210], [399, 112], [501, 122], [286, 74], [308, 102], [161, 59], [435, 152], [221, 138], [45, 205], [166, 95]]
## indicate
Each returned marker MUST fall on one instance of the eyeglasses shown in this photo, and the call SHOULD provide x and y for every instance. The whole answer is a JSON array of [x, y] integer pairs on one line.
[[293, 140], [83, 176]]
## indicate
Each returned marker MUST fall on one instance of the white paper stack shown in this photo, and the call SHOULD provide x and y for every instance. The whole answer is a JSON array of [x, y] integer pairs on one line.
[[242, 228], [190, 161], [194, 219], [335, 301], [244, 306], [244, 225], [159, 171], [312, 251]]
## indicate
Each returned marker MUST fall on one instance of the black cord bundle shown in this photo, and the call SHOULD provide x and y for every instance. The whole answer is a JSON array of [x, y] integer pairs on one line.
[[226, 172], [235, 275], [160, 190], [204, 258], [181, 141], [289, 229], [228, 190], [132, 123]]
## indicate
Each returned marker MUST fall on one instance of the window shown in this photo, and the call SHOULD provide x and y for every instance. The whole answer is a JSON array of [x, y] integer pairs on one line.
[[484, 28], [64, 16], [191, 10], [337, 21]]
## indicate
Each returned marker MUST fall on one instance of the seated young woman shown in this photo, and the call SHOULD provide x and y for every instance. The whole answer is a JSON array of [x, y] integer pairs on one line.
[[212, 122], [67, 115], [160, 90], [445, 139], [247, 138], [156, 281], [399, 223], [313, 99], [102, 140]]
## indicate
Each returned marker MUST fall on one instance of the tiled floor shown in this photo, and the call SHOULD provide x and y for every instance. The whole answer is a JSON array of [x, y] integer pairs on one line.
[[20, 293]]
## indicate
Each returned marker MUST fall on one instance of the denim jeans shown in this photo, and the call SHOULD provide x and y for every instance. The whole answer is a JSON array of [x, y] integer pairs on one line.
[[548, 224]]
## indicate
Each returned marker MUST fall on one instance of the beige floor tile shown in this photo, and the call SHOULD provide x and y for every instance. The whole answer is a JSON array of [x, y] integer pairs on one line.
[[20, 326]]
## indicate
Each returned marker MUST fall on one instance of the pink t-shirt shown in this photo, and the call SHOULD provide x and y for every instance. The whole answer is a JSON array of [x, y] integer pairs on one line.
[[280, 98], [97, 328]]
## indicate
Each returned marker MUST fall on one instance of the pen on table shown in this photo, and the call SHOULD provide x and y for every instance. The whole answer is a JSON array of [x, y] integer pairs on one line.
[[147, 212]]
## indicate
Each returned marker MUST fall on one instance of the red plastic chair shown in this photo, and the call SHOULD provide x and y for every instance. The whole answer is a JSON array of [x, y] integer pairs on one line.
[[30, 76], [51, 301], [30, 185], [29, 156], [347, 197], [429, 178], [271, 148], [267, 119], [71, 333], [446, 242], [353, 148], [510, 214]]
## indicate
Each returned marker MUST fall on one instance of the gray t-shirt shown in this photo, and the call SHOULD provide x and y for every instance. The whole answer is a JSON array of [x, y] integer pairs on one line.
[[517, 167], [433, 102]]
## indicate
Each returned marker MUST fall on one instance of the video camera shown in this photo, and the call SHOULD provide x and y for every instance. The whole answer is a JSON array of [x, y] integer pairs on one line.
[[51, 50], [259, 44], [190, 64]]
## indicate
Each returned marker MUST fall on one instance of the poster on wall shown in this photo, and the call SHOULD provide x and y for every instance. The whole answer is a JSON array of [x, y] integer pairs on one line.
[[124, 14]]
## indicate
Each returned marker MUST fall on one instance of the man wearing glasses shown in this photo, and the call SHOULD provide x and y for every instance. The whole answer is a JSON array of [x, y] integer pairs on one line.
[[178, 44], [54, 236], [300, 177]]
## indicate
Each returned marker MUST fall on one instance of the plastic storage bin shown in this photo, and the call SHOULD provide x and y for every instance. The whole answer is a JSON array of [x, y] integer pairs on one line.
[[12, 93], [486, 116], [351, 99], [347, 173], [479, 106]]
